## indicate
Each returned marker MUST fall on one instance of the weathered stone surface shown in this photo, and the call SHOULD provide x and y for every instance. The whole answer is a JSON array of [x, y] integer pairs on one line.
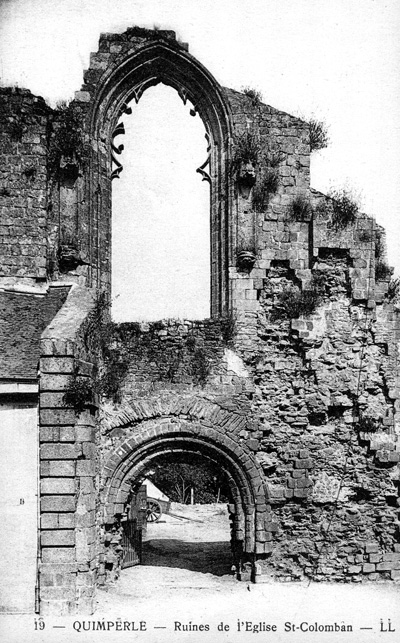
[[299, 405]]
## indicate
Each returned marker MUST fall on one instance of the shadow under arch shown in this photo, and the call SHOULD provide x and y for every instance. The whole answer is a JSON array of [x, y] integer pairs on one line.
[[125, 79], [130, 460]]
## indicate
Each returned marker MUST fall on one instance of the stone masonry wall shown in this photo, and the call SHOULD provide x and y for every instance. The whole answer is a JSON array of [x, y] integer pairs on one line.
[[306, 388], [23, 186], [67, 572], [306, 399]]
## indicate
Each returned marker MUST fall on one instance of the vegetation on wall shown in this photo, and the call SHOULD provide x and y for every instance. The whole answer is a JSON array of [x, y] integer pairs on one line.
[[79, 393], [379, 244], [383, 271], [393, 293], [253, 94], [268, 180], [247, 151], [319, 138], [368, 424], [293, 302], [165, 352], [174, 358], [100, 335], [300, 208], [267, 185], [228, 327], [344, 207], [113, 363]]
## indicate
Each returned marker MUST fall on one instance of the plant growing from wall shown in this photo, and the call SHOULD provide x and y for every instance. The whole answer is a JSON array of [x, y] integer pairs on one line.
[[264, 188], [383, 271], [344, 207], [319, 138], [379, 245], [368, 424], [253, 94], [273, 158], [119, 345], [300, 208], [245, 159], [229, 327], [293, 302], [100, 337], [247, 150], [79, 393], [393, 293]]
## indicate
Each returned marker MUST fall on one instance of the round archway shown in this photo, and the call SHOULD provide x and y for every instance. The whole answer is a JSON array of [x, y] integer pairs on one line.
[[134, 456]]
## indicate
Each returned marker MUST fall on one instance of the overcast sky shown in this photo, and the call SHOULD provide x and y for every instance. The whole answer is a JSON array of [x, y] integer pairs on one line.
[[336, 59]]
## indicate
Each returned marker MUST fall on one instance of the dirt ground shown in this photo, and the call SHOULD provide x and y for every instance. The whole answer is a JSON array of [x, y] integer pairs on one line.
[[184, 592], [197, 541], [186, 581]]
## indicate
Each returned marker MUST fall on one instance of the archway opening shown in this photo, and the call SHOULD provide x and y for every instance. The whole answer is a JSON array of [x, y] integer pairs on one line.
[[132, 460], [187, 524], [161, 213]]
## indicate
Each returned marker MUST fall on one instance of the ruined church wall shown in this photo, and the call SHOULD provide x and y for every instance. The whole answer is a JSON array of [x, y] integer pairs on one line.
[[23, 186], [305, 387], [311, 401]]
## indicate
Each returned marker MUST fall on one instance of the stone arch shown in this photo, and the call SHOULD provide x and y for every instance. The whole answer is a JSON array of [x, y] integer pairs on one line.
[[125, 78], [150, 438]]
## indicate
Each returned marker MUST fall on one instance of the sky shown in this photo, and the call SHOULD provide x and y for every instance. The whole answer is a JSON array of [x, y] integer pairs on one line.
[[337, 60]]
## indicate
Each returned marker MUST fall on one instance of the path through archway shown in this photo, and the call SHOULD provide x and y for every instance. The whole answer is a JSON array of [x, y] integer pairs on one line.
[[130, 462]]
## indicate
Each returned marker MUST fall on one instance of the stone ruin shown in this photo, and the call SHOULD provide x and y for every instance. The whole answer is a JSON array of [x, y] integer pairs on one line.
[[291, 386]]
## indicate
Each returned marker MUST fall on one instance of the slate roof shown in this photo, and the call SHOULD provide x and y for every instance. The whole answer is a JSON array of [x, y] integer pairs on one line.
[[23, 318]]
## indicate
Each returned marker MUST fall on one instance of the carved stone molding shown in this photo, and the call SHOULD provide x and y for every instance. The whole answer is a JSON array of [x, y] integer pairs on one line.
[[120, 129]]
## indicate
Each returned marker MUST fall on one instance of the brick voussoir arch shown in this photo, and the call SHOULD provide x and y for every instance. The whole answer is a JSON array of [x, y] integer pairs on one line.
[[193, 408], [215, 435], [134, 455]]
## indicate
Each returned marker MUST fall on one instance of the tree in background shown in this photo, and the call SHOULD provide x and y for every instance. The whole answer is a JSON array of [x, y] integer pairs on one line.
[[185, 478]]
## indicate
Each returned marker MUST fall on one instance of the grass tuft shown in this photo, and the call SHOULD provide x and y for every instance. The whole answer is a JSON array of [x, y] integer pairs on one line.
[[253, 94], [319, 138], [368, 424], [383, 272], [344, 207], [267, 185], [79, 393], [293, 302], [393, 293], [247, 150], [301, 208]]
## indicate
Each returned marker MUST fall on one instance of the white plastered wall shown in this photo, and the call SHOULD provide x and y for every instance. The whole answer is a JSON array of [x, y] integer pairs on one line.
[[18, 506]]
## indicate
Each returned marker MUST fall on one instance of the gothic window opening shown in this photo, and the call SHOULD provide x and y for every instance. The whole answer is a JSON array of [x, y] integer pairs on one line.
[[161, 212]]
